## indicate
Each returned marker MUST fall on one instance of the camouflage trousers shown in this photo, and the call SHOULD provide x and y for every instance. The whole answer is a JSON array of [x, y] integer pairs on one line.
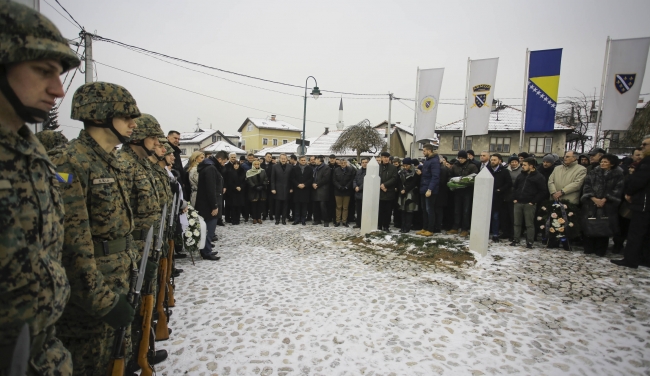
[[91, 354], [52, 359]]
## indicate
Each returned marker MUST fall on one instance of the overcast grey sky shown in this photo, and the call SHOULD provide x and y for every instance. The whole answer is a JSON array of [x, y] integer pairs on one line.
[[350, 46]]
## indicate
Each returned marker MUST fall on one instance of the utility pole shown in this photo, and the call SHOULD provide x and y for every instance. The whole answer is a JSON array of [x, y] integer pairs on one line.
[[89, 57], [388, 127]]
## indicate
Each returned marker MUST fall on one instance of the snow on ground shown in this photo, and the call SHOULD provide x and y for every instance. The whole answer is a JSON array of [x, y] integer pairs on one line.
[[298, 300]]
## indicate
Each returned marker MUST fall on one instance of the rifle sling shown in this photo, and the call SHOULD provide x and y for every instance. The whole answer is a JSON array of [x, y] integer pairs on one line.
[[109, 247]]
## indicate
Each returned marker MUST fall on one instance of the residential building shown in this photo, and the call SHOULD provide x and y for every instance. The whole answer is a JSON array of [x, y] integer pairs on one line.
[[195, 141], [503, 136], [401, 140], [257, 134]]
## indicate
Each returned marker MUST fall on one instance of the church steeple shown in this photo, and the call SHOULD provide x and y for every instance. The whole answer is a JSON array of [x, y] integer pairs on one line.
[[340, 125]]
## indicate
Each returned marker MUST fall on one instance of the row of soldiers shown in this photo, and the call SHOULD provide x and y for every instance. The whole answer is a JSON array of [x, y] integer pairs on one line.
[[77, 222]]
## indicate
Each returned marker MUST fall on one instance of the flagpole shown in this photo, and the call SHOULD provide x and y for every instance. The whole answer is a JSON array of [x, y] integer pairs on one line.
[[462, 138], [602, 90], [525, 99], [415, 113]]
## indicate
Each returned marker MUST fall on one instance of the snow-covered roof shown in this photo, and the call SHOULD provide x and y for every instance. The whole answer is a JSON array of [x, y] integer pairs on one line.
[[322, 144], [288, 148], [224, 146], [196, 137], [395, 126], [509, 120], [270, 124]]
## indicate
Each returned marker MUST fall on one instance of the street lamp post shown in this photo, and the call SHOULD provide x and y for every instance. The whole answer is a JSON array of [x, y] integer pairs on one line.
[[315, 93]]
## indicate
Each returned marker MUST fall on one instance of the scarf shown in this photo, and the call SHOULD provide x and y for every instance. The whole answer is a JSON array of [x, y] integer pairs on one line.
[[253, 171]]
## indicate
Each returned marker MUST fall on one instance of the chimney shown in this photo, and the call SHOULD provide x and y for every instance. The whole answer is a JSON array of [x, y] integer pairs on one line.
[[272, 117], [327, 130]]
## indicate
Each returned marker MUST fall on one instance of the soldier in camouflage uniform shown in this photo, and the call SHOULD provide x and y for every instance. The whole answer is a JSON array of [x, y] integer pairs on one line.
[[147, 209], [33, 285], [51, 139], [98, 252]]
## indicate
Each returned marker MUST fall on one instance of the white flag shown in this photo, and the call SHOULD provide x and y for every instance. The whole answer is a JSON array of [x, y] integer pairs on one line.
[[429, 83], [626, 68], [482, 75]]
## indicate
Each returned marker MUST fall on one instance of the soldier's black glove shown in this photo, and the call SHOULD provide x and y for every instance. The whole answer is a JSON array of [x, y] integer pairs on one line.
[[121, 315], [151, 271], [260, 188]]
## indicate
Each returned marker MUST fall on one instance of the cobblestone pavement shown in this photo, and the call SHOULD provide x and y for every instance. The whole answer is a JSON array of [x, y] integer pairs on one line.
[[294, 300]]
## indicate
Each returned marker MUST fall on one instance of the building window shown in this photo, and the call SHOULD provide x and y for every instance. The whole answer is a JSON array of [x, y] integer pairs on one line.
[[420, 146], [214, 138], [468, 143], [540, 145], [500, 144], [284, 141], [195, 149], [250, 127], [218, 138], [456, 144], [184, 151], [275, 142], [265, 141]]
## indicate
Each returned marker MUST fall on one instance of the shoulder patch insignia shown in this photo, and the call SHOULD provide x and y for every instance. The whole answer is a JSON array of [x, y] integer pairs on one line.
[[103, 181], [64, 177]]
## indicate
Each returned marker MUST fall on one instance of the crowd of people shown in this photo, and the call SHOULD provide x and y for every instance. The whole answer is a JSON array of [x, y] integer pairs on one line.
[[415, 194], [86, 286]]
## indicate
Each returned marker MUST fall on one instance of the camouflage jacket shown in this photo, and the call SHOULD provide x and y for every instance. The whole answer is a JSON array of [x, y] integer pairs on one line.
[[97, 209], [33, 284], [141, 185], [164, 195]]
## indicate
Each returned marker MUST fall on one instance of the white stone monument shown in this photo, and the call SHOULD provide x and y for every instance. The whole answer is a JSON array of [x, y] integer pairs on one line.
[[370, 208], [481, 210]]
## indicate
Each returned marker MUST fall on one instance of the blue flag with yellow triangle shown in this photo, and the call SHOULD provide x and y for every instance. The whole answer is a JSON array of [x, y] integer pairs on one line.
[[543, 84], [64, 177]]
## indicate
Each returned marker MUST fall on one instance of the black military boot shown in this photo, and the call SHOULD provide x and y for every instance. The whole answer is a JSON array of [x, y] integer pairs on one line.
[[158, 357]]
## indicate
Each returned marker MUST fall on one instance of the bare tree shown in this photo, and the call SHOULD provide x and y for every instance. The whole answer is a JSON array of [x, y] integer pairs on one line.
[[640, 127], [52, 121], [361, 137], [577, 113]]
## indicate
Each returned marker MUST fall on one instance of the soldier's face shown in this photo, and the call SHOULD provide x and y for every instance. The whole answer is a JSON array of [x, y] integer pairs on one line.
[[170, 158], [37, 83], [159, 149], [150, 142], [124, 126]]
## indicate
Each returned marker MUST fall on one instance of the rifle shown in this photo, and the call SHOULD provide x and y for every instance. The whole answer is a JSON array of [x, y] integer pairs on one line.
[[147, 339], [162, 330], [171, 302], [117, 365]]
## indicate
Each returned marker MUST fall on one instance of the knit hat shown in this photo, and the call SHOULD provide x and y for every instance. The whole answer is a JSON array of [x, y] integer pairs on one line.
[[470, 151], [462, 154], [407, 161], [548, 158], [513, 158]]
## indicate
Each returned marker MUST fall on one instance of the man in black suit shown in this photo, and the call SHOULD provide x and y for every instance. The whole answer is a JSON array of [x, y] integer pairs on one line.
[[302, 176], [321, 192], [208, 198], [281, 188]]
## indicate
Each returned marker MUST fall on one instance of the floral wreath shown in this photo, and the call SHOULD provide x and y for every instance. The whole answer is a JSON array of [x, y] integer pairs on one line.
[[192, 235], [558, 220]]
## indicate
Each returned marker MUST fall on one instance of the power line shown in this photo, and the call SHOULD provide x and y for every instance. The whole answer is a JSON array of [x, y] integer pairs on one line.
[[65, 10], [124, 45], [205, 95], [61, 14]]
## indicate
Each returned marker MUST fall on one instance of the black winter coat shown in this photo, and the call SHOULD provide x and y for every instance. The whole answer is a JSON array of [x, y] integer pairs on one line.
[[305, 177], [638, 186], [603, 184], [236, 178], [280, 181], [259, 180], [342, 181], [463, 169], [390, 180], [530, 187], [209, 190], [442, 199], [358, 182], [502, 185], [322, 178]]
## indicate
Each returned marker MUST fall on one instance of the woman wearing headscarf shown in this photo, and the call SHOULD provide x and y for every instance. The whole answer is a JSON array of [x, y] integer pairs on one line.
[[257, 181], [236, 189], [602, 191], [195, 159]]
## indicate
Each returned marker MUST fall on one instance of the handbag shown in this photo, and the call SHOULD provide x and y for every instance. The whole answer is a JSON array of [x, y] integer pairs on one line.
[[596, 223], [624, 210]]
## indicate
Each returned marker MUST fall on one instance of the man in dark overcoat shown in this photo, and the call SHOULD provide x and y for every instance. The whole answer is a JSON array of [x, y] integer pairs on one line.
[[302, 177], [281, 188], [321, 191]]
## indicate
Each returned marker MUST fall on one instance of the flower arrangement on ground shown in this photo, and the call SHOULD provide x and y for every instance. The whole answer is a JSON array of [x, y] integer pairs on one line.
[[192, 235], [461, 182], [558, 222]]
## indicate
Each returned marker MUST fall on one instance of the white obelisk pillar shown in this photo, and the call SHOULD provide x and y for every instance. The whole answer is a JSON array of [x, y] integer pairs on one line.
[[370, 208], [481, 210]]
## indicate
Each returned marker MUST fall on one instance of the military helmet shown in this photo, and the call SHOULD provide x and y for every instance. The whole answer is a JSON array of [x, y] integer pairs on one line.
[[28, 35], [148, 126], [168, 149], [103, 101], [51, 139]]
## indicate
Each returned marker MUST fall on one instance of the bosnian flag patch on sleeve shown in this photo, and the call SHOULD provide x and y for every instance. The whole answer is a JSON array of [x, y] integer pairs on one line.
[[64, 177]]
